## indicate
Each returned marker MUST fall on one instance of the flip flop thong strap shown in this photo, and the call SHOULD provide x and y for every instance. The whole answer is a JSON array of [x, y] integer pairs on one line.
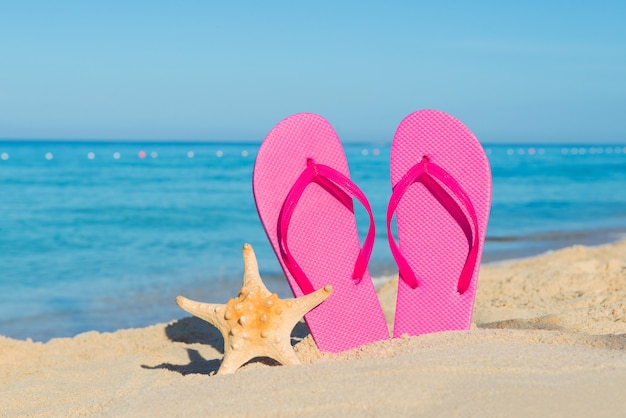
[[336, 184], [430, 175]]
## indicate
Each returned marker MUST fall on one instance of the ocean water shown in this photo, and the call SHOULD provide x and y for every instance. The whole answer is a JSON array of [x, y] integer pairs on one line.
[[103, 236]]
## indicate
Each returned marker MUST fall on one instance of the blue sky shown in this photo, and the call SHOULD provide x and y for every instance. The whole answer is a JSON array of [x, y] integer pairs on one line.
[[531, 71]]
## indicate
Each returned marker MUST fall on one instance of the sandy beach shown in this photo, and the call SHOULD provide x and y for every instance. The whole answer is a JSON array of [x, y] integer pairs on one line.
[[548, 339]]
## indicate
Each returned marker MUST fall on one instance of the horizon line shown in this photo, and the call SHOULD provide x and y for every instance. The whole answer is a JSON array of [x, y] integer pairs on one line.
[[258, 142]]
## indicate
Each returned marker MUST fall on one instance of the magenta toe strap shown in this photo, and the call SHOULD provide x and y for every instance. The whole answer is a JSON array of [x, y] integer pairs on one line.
[[334, 183], [430, 175]]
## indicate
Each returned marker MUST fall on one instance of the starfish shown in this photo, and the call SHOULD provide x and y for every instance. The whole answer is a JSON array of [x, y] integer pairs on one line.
[[256, 323]]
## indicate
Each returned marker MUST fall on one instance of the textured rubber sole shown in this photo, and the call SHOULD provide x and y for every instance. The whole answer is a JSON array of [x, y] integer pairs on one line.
[[322, 237], [428, 236]]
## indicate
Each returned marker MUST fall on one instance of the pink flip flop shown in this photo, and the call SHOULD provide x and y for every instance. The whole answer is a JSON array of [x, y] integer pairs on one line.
[[441, 197], [303, 194]]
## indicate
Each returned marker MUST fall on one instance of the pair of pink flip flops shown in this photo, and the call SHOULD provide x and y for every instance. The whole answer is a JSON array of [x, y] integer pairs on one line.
[[441, 196]]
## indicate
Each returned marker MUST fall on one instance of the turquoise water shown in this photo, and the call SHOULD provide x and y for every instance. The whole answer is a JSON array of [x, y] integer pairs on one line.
[[105, 235]]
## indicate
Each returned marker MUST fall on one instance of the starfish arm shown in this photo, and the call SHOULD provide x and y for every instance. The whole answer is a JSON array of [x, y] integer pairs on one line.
[[281, 351], [234, 359], [210, 312], [284, 352], [298, 307], [251, 276]]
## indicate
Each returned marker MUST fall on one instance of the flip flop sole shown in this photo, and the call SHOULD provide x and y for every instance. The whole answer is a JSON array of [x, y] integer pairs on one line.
[[323, 237], [429, 238]]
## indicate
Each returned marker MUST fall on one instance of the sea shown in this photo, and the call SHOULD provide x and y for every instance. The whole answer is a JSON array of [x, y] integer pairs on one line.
[[104, 235]]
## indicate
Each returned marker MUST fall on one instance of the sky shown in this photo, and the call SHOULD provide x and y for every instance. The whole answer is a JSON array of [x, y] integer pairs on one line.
[[512, 71]]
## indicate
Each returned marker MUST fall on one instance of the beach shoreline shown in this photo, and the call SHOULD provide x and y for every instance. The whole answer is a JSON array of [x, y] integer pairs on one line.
[[215, 290], [548, 337]]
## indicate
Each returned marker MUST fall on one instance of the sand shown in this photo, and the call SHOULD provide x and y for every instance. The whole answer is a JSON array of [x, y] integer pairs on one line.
[[548, 339]]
